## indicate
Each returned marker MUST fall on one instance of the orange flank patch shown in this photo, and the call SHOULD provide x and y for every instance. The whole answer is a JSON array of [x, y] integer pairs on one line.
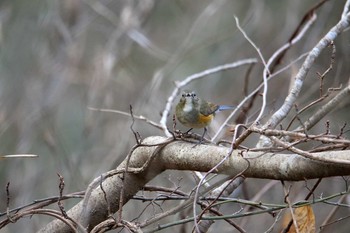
[[205, 119]]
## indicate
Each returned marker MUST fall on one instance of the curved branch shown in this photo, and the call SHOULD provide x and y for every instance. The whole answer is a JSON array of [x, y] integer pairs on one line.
[[182, 156]]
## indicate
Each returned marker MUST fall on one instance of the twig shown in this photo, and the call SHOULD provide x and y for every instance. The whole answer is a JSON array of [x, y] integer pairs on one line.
[[252, 43], [325, 109], [310, 105], [321, 76], [60, 204], [329, 148], [273, 207], [19, 156], [136, 135], [335, 221], [307, 154], [181, 206], [105, 198], [286, 199], [36, 204], [140, 117], [326, 221], [216, 212], [296, 135], [8, 203], [277, 218], [266, 70]]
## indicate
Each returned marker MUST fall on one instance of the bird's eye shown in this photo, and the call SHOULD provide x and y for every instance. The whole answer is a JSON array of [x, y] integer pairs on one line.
[[193, 95], [183, 95]]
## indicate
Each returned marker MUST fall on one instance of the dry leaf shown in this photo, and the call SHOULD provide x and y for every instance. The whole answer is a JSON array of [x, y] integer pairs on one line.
[[305, 219]]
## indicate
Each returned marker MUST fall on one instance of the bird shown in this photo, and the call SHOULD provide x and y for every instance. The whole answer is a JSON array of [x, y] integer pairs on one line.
[[194, 112]]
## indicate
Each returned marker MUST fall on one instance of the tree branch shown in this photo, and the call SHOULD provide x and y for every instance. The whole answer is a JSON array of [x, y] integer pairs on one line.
[[281, 113], [182, 156]]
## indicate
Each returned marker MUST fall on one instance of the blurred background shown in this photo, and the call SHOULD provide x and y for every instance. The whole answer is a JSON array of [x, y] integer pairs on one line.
[[57, 58]]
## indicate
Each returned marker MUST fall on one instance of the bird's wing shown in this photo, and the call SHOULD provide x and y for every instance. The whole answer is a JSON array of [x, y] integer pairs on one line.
[[208, 108]]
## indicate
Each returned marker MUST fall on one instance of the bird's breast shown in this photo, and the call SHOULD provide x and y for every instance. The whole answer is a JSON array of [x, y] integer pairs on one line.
[[188, 106]]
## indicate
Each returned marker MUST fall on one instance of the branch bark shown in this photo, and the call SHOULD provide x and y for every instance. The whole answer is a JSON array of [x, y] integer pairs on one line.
[[181, 155]]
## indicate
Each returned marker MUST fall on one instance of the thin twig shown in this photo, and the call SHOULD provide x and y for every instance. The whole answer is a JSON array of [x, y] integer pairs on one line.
[[296, 135], [59, 201], [307, 154], [266, 70], [327, 108], [140, 117], [19, 156], [286, 199], [8, 203]]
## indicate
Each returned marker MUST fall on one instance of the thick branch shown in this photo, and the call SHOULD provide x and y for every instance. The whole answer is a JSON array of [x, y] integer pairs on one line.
[[180, 155]]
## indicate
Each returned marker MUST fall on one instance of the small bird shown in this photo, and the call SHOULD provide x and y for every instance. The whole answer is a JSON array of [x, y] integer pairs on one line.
[[194, 112]]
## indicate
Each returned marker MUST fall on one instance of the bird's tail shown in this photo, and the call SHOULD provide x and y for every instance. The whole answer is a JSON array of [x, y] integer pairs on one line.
[[225, 107]]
